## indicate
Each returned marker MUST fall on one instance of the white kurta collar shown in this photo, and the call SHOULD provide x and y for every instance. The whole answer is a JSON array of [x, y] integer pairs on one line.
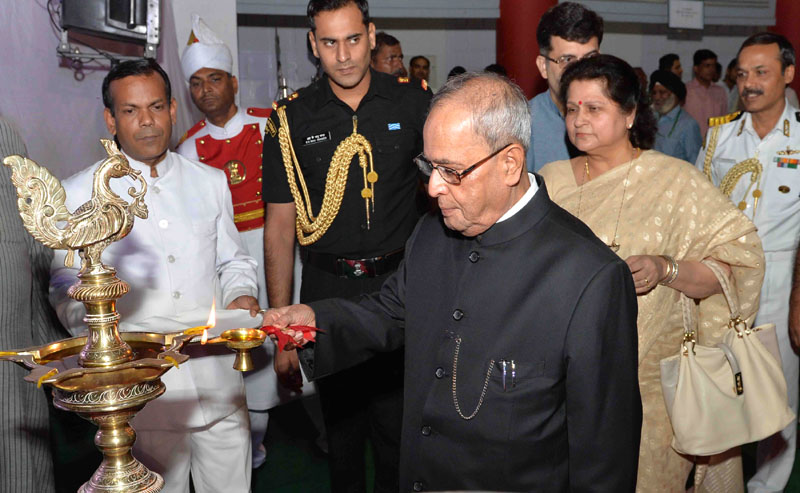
[[162, 168]]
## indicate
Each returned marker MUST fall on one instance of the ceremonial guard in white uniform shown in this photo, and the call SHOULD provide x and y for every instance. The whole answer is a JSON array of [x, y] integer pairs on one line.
[[231, 139], [759, 169]]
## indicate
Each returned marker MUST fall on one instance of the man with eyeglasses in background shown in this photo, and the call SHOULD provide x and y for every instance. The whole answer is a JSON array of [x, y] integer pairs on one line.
[[387, 56], [567, 32]]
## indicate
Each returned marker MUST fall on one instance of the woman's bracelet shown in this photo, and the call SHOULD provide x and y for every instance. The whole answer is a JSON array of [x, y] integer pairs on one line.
[[672, 270]]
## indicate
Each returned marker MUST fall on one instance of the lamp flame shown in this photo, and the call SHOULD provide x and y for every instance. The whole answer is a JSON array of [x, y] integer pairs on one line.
[[212, 321]]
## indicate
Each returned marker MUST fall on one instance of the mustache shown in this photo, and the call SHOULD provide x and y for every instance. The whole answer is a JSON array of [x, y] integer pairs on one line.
[[752, 92], [144, 135]]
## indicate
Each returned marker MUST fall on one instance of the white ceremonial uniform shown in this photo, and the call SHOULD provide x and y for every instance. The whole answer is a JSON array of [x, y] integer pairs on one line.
[[263, 390], [186, 254], [254, 238], [773, 203]]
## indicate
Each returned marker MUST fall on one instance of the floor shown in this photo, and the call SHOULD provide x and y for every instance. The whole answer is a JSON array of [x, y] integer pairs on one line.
[[294, 463]]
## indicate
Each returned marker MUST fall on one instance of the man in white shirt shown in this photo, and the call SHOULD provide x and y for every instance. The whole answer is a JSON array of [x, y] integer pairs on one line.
[[184, 256], [766, 186]]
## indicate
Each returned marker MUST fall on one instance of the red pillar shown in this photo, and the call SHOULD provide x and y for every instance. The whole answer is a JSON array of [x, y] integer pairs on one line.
[[516, 41], [787, 12]]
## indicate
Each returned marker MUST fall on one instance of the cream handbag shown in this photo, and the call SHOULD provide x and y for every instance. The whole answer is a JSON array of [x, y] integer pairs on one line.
[[727, 395]]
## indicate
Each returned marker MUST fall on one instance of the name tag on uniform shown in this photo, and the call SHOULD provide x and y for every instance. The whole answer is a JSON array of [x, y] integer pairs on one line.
[[785, 162], [317, 138], [394, 126]]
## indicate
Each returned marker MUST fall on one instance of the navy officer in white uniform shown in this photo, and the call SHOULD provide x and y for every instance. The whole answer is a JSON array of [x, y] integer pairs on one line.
[[754, 157]]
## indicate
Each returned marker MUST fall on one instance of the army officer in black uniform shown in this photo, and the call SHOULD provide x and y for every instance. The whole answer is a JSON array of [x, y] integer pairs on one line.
[[339, 173]]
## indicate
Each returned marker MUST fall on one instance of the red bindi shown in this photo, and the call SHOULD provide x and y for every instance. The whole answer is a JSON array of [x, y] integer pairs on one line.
[[580, 102]]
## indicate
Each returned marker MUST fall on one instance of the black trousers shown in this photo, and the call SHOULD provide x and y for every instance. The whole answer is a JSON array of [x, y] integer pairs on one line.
[[365, 401]]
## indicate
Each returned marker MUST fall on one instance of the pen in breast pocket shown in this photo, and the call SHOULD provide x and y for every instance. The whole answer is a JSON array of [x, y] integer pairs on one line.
[[504, 367], [513, 373]]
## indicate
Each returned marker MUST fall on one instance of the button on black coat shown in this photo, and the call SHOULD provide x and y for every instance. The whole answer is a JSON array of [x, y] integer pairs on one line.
[[548, 295]]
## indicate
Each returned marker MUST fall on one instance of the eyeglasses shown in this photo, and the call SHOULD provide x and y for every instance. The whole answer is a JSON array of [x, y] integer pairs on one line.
[[450, 175], [567, 59]]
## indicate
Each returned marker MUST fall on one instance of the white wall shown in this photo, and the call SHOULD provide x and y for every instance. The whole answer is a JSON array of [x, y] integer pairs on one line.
[[471, 48], [59, 117]]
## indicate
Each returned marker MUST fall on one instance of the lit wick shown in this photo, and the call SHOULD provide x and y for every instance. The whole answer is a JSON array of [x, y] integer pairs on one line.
[[212, 321]]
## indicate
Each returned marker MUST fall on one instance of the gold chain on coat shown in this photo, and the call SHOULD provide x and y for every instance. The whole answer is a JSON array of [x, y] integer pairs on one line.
[[310, 228], [712, 146], [732, 177]]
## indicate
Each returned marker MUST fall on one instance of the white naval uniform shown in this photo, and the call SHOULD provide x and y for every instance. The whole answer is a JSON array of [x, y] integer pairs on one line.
[[777, 217], [263, 390], [186, 254]]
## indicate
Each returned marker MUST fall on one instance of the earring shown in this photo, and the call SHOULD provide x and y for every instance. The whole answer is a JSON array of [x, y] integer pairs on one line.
[[630, 125]]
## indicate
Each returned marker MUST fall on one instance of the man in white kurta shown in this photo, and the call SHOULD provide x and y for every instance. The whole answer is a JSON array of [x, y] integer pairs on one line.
[[185, 255], [768, 135]]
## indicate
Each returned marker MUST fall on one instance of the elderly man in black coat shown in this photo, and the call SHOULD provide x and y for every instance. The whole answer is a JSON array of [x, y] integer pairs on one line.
[[519, 324]]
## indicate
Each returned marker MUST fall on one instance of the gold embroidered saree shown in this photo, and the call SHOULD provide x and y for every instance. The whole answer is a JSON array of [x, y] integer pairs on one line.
[[668, 208]]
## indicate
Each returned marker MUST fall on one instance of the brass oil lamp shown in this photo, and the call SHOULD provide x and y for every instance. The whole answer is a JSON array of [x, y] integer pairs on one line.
[[105, 376]]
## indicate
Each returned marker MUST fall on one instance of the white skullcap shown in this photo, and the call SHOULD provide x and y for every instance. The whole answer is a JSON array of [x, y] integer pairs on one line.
[[205, 50]]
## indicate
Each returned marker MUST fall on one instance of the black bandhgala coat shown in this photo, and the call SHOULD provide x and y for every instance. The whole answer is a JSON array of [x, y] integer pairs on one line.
[[539, 290]]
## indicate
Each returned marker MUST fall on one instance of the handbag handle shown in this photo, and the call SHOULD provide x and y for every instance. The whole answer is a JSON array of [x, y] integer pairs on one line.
[[736, 322], [689, 323], [690, 326]]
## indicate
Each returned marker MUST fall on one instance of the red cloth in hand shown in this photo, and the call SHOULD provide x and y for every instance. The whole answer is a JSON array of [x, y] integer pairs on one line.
[[285, 341]]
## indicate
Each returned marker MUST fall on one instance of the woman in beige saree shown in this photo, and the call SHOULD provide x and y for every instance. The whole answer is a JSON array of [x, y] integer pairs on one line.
[[652, 209]]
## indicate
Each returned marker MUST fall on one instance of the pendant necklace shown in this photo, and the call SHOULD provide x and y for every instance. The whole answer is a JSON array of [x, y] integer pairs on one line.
[[614, 246]]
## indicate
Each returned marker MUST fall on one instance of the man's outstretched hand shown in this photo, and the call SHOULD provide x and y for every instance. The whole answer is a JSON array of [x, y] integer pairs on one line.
[[296, 325], [287, 365]]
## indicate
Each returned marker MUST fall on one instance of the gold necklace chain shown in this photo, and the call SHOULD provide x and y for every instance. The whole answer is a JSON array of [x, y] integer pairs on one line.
[[485, 384], [614, 246]]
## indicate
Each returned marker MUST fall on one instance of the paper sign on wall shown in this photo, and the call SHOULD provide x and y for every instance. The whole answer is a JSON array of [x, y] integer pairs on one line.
[[685, 14]]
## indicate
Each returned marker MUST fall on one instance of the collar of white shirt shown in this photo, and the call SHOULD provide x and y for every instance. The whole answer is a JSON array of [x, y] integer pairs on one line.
[[162, 168], [522, 202], [788, 114]]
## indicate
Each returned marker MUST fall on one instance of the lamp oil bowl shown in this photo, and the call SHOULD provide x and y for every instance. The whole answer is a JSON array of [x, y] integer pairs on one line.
[[242, 341]]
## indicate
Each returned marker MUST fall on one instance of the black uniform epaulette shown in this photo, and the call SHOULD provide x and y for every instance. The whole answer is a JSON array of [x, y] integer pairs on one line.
[[284, 101], [719, 120]]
